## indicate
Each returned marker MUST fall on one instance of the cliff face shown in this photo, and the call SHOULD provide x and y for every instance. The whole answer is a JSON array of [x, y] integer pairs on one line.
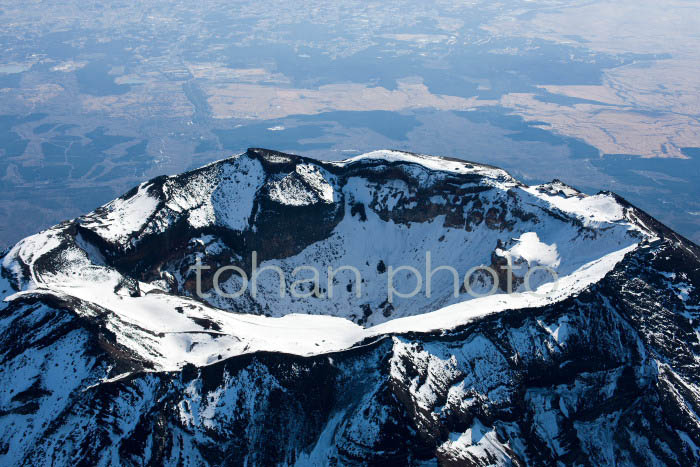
[[110, 357]]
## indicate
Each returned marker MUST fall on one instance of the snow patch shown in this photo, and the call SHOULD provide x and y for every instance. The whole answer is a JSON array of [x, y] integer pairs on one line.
[[592, 210], [120, 219], [535, 252]]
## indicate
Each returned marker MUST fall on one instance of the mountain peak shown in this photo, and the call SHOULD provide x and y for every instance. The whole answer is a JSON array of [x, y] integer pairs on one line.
[[434, 288]]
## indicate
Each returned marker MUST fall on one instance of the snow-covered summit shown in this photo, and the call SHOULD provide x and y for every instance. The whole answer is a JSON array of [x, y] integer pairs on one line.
[[102, 320], [384, 209]]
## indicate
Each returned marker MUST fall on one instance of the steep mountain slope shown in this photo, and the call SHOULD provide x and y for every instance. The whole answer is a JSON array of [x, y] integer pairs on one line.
[[110, 355]]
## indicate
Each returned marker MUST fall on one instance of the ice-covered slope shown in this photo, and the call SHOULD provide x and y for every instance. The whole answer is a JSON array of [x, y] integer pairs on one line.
[[102, 322]]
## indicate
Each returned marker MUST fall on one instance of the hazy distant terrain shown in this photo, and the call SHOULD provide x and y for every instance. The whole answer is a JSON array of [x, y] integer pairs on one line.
[[95, 98]]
